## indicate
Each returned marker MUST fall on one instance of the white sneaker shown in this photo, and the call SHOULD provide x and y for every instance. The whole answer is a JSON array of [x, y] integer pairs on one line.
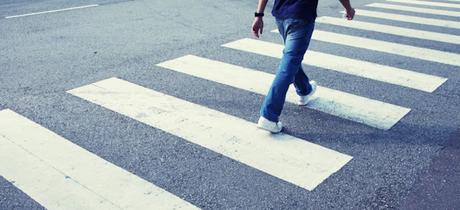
[[303, 100], [268, 125]]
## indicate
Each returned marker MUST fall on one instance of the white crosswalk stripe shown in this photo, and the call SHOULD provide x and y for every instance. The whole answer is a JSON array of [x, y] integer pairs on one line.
[[415, 9], [427, 3], [407, 32], [388, 47], [409, 19], [352, 107], [286, 157], [364, 69], [61, 175]]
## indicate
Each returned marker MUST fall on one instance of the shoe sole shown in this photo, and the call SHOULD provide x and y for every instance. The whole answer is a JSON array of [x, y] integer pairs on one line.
[[266, 129]]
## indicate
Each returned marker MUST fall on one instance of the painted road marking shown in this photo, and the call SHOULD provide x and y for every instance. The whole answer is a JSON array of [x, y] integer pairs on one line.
[[294, 160], [407, 32], [388, 47], [52, 11], [409, 19], [427, 3], [415, 9], [392, 75], [345, 105], [61, 175]]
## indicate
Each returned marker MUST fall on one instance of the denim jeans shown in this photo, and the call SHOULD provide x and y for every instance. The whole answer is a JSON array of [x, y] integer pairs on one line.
[[296, 34]]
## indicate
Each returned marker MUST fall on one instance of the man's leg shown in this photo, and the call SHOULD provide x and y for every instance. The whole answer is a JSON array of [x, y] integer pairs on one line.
[[301, 80], [298, 34], [302, 83]]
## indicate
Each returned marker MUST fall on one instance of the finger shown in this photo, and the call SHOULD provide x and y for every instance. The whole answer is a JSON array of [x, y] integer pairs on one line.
[[261, 29], [353, 13], [255, 34], [351, 16], [254, 31]]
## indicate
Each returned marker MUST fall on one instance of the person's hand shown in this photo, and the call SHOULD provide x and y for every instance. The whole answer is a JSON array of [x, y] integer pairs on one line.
[[350, 13], [257, 26]]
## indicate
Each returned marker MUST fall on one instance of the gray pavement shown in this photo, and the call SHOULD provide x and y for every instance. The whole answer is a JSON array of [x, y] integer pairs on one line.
[[43, 56], [437, 187], [13, 198]]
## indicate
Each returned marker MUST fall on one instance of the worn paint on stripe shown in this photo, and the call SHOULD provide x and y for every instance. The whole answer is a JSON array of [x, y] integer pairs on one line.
[[294, 160], [345, 105], [415, 9], [392, 75], [409, 19], [52, 11], [388, 47], [61, 175], [427, 3]]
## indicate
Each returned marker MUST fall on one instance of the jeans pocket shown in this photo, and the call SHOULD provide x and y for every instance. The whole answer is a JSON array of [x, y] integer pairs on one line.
[[298, 25], [296, 22], [299, 28]]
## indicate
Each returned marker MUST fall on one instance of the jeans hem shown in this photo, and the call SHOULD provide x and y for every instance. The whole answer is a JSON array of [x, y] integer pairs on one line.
[[270, 117]]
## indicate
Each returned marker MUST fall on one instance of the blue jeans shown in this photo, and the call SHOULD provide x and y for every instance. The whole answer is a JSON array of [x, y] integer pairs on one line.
[[296, 35]]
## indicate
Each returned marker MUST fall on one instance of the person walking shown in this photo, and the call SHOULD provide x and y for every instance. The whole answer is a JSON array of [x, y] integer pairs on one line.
[[295, 20]]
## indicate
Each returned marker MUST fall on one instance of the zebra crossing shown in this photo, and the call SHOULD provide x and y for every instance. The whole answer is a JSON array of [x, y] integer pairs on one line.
[[283, 156], [409, 19], [388, 47], [330, 101], [392, 75], [427, 3], [67, 176], [60, 175], [419, 10], [413, 33]]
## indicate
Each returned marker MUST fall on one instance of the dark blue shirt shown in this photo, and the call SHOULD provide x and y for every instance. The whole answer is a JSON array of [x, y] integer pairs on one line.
[[300, 9]]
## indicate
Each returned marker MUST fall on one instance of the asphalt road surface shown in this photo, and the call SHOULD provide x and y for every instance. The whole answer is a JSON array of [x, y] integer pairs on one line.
[[138, 104]]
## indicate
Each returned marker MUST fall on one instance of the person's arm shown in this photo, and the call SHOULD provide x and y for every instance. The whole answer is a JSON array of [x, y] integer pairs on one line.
[[349, 11], [258, 24]]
